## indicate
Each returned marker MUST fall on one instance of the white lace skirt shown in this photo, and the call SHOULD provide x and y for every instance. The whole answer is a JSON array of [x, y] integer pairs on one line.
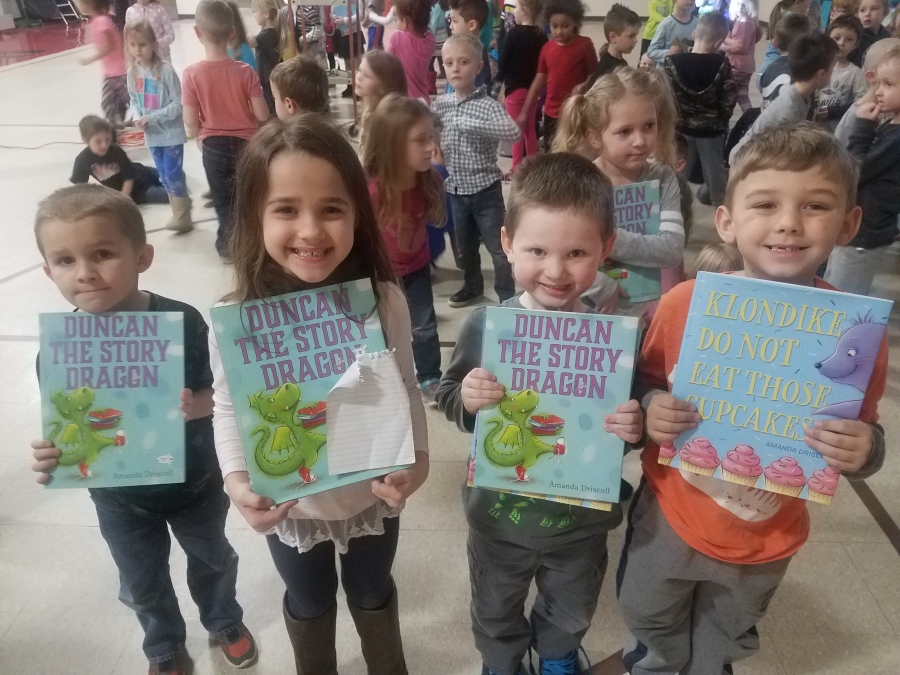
[[303, 534]]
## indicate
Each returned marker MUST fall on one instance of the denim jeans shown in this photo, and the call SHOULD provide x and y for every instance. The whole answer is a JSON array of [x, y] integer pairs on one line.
[[853, 270], [311, 577], [710, 153], [139, 542], [220, 157], [482, 214], [169, 162], [425, 342]]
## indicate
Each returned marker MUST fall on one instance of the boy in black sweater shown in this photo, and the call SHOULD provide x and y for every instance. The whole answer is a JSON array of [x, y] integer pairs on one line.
[[705, 92], [621, 27], [870, 14], [853, 267]]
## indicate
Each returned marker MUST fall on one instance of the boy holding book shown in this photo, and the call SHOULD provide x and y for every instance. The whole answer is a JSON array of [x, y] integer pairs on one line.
[[558, 230], [703, 557], [94, 246]]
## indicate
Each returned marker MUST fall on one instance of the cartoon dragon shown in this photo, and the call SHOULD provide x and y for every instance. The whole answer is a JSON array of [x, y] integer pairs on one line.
[[75, 437], [514, 443], [292, 447], [519, 504], [852, 363]]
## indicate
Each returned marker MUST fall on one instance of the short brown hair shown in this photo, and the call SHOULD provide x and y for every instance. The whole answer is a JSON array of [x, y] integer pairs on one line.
[[712, 26], [561, 181], [472, 10], [77, 202], [795, 147], [91, 125], [789, 28], [304, 81], [618, 18], [215, 20], [417, 12], [848, 22]]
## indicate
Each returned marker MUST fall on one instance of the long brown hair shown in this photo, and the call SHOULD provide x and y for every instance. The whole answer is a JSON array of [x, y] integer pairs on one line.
[[385, 160], [390, 73], [143, 29], [256, 274], [590, 111]]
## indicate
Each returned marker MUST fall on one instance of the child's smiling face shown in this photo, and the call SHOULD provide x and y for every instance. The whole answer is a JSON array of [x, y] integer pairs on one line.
[[786, 223], [308, 218]]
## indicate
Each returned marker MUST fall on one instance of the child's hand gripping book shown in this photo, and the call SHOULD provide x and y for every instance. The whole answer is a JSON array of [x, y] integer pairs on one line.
[[110, 386], [562, 372], [762, 361], [636, 210], [319, 403]]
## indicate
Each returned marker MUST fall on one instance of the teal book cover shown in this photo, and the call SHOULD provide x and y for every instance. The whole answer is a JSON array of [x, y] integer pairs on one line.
[[563, 372], [110, 396], [762, 361], [282, 357], [636, 209]]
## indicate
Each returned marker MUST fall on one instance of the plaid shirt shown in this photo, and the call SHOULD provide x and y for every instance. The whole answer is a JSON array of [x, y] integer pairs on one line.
[[471, 130]]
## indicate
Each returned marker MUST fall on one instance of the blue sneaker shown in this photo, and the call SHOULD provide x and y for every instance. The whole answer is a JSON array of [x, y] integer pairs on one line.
[[567, 665]]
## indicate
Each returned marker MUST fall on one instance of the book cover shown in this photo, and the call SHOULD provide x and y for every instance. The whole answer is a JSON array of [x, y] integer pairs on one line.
[[762, 361], [562, 372], [282, 358], [110, 388], [636, 210]]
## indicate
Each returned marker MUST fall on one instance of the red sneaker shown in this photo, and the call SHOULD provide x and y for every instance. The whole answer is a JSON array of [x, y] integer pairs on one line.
[[238, 646]]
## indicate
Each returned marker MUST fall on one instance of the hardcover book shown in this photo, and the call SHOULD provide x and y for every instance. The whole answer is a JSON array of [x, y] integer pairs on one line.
[[283, 357], [563, 373], [110, 395], [762, 361], [636, 210]]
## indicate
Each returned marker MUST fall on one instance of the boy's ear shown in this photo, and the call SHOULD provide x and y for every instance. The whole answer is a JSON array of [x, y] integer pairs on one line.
[[506, 243], [718, 45], [612, 36], [679, 165], [473, 27], [608, 245], [47, 271], [850, 226], [291, 105], [725, 226], [145, 257], [198, 33]]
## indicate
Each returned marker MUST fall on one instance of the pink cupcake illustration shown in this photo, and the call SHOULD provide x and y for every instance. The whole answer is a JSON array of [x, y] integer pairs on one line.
[[742, 466], [822, 484], [785, 476], [699, 456], [666, 454]]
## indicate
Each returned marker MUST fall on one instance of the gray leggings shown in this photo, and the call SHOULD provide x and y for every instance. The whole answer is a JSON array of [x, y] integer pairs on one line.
[[687, 613]]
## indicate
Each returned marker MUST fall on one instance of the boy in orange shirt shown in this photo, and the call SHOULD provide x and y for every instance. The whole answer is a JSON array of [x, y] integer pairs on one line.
[[703, 558]]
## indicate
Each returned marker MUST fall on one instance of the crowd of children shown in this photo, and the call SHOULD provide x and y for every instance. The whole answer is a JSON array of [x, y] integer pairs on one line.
[[298, 206]]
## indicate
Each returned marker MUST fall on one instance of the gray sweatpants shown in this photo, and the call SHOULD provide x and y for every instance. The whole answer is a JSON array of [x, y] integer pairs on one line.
[[568, 582], [687, 613], [853, 269]]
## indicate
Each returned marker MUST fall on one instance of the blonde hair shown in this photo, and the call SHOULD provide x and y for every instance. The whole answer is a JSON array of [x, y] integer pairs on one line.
[[590, 111], [272, 10], [385, 159], [751, 5], [891, 56], [143, 29], [716, 258], [795, 147]]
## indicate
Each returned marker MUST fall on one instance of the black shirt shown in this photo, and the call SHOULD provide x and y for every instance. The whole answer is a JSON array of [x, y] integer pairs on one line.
[[111, 169], [605, 65], [519, 58], [202, 471], [267, 54], [876, 148]]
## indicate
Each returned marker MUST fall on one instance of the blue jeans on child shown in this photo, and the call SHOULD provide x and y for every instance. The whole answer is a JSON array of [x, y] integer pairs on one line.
[[169, 162], [481, 215], [426, 344], [220, 157], [139, 542], [311, 577]]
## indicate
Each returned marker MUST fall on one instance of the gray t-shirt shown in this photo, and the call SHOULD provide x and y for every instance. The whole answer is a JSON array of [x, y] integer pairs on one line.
[[848, 85], [790, 106]]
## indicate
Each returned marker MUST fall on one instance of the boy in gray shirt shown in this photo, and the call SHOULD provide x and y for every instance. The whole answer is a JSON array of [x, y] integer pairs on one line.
[[811, 60]]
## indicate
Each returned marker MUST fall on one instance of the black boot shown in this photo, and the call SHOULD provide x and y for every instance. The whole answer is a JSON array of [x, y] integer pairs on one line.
[[379, 632], [313, 642]]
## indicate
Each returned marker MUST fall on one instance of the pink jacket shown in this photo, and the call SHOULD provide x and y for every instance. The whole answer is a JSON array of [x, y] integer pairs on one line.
[[415, 54], [743, 60]]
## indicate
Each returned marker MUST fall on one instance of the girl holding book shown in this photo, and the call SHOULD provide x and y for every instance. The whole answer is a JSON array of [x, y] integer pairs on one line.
[[305, 220], [558, 230], [627, 117], [408, 193]]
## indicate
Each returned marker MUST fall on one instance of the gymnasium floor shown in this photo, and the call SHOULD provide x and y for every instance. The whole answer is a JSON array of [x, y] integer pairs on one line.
[[837, 612]]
